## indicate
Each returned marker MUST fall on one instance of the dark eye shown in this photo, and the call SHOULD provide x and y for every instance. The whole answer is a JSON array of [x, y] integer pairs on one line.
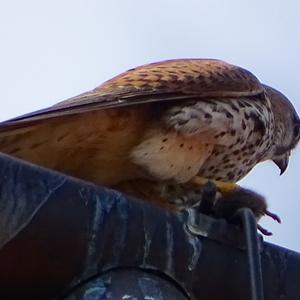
[[297, 131]]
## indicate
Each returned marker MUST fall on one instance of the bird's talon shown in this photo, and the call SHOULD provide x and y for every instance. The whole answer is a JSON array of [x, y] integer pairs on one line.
[[223, 187], [264, 231], [273, 216]]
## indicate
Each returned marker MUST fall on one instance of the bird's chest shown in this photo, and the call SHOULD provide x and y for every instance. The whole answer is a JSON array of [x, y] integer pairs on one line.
[[253, 130]]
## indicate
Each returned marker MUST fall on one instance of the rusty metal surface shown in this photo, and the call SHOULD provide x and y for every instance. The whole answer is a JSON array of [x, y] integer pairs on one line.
[[57, 233]]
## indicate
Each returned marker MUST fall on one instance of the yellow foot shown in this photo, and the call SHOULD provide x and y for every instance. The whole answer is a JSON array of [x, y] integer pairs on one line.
[[223, 187]]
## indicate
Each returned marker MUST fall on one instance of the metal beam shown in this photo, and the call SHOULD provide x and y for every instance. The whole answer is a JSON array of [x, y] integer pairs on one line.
[[58, 233]]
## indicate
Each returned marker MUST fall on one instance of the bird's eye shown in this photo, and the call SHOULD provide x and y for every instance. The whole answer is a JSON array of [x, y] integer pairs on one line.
[[297, 131]]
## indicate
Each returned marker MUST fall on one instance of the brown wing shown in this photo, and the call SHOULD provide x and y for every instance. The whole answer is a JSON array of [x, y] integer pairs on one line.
[[164, 81]]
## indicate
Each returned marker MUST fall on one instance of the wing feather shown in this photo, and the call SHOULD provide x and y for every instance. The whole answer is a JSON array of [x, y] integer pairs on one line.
[[181, 79]]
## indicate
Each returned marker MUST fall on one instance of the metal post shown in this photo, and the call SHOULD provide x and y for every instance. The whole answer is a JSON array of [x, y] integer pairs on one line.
[[252, 241]]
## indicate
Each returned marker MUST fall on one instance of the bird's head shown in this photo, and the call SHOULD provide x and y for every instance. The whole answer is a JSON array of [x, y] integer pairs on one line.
[[287, 128]]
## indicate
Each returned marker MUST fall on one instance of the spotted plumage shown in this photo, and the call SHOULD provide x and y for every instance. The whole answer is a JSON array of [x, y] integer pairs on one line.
[[166, 122]]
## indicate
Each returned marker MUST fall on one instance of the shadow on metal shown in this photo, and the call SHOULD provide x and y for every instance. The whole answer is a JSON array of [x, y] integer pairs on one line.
[[62, 238]]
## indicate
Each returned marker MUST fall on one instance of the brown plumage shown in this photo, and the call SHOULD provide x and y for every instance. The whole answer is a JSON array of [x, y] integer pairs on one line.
[[165, 123]]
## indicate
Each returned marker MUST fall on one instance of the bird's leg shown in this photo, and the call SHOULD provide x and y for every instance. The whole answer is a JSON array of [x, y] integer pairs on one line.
[[223, 187]]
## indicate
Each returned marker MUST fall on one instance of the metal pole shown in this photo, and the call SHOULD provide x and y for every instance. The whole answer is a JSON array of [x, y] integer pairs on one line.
[[254, 263]]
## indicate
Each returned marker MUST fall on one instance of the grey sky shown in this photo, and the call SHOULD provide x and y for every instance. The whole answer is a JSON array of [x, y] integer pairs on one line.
[[51, 50]]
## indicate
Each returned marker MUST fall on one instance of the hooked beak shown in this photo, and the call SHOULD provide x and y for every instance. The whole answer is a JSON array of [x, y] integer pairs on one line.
[[282, 162]]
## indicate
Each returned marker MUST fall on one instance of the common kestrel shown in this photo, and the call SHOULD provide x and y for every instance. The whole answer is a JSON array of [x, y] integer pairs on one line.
[[167, 123]]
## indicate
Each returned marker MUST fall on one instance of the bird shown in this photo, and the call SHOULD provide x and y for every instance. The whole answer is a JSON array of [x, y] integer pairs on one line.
[[160, 126]]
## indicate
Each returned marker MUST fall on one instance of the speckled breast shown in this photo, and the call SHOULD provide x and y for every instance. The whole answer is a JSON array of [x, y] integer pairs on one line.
[[245, 143]]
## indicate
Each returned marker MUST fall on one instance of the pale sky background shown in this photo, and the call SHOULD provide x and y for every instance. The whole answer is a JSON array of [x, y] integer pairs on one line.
[[52, 50]]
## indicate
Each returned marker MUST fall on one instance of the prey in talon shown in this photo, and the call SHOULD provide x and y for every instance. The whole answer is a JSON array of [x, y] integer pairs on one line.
[[223, 205], [206, 199], [165, 124], [227, 204]]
